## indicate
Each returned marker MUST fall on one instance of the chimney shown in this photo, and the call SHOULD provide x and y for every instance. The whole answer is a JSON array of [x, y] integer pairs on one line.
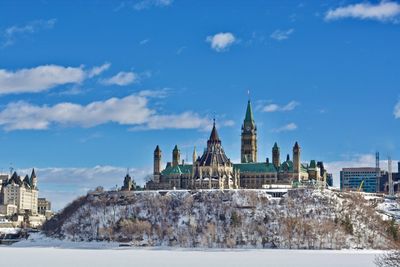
[[267, 160]]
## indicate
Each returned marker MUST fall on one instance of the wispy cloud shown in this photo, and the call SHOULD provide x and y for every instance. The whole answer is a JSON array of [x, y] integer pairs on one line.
[[11, 34], [45, 77], [95, 71], [122, 78], [280, 35], [396, 110], [383, 11], [220, 42], [144, 41], [286, 128], [132, 110], [275, 107], [146, 4]]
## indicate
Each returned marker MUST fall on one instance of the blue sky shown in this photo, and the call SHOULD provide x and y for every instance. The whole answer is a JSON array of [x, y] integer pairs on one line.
[[89, 89]]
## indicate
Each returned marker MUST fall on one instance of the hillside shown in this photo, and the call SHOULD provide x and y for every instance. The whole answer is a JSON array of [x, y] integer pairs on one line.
[[305, 219]]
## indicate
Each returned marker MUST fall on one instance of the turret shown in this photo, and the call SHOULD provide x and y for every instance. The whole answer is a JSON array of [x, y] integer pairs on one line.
[[176, 156], [33, 179], [296, 158], [194, 155], [128, 183], [157, 160], [276, 156]]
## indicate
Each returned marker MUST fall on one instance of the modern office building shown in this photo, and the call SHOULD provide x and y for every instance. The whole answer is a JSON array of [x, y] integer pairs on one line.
[[364, 179]]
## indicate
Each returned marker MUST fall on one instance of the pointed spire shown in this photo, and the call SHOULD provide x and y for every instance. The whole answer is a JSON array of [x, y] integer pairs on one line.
[[296, 145], [249, 114], [33, 174], [157, 149], [275, 145], [176, 148], [214, 134], [194, 155]]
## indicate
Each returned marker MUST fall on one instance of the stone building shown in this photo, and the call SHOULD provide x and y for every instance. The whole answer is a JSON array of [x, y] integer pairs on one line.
[[44, 206], [129, 183], [21, 192], [215, 170]]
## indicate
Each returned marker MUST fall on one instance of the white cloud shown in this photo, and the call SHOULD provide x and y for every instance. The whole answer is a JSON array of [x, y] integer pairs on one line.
[[97, 70], [185, 120], [396, 110], [146, 4], [45, 77], [275, 107], [129, 110], [122, 78], [286, 128], [62, 185], [383, 11], [280, 35], [11, 34], [221, 41], [132, 110]]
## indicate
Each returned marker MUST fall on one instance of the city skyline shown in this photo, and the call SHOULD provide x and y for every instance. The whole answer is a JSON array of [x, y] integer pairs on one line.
[[87, 97]]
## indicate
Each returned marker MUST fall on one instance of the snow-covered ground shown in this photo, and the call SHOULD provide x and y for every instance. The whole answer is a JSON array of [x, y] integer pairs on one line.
[[43, 257]]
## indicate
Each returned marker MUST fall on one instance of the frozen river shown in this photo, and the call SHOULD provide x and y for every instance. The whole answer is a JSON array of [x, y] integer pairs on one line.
[[60, 257]]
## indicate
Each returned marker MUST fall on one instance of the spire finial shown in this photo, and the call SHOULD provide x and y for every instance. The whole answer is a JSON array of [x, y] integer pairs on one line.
[[248, 93]]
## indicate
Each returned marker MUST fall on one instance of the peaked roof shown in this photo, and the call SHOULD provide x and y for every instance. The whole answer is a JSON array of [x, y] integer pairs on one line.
[[33, 174], [214, 137], [276, 145], [157, 149], [296, 145], [249, 114]]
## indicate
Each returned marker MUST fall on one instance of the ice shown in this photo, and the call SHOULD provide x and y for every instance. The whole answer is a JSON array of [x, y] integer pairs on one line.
[[43, 257]]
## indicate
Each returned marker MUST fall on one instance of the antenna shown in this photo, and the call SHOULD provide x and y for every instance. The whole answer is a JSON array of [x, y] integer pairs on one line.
[[11, 168], [378, 171], [391, 191]]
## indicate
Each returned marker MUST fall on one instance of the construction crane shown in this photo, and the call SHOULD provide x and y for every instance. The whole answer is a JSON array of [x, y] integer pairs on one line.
[[361, 185]]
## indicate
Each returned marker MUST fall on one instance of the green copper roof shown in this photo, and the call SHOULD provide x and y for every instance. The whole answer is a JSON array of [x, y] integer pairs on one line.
[[276, 146], [286, 166], [303, 168], [260, 167], [313, 165], [179, 169], [249, 114]]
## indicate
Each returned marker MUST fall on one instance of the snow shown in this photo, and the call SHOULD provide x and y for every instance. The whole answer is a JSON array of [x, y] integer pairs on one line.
[[9, 230], [43, 257]]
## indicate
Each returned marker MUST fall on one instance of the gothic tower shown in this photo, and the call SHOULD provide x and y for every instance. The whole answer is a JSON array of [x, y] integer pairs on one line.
[[176, 156], [157, 161], [249, 137], [296, 158], [276, 160]]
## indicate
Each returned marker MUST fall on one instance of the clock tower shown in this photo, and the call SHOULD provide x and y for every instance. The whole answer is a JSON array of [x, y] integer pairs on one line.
[[249, 137]]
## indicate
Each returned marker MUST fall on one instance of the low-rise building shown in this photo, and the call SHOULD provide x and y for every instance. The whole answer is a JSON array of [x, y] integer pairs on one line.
[[363, 178]]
